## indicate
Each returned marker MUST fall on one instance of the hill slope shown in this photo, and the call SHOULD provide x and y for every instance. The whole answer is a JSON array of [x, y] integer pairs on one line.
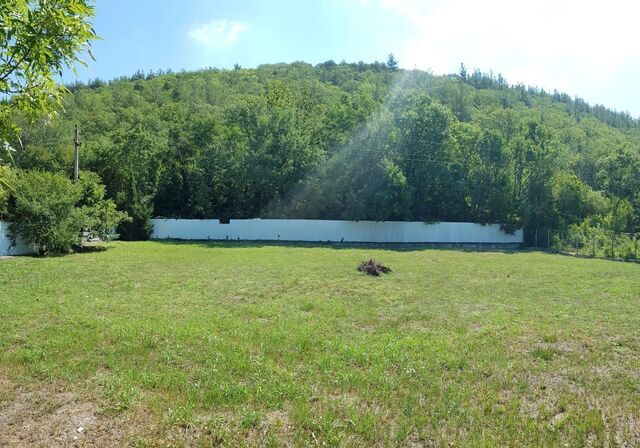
[[348, 141]]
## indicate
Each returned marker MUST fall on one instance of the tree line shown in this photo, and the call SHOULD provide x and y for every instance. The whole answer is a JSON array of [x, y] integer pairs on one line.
[[344, 141]]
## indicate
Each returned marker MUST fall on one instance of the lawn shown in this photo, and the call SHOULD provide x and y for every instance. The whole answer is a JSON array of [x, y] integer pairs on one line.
[[198, 344]]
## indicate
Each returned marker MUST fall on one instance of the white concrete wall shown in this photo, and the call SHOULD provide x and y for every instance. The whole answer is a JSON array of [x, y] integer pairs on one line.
[[321, 230], [6, 244]]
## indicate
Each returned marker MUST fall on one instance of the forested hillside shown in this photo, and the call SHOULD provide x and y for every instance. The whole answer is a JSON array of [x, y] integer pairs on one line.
[[346, 141]]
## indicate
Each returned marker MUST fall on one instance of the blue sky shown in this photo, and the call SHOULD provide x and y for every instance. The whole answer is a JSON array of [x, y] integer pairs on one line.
[[582, 47]]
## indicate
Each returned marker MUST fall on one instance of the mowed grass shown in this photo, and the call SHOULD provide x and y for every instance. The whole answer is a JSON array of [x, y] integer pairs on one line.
[[202, 344]]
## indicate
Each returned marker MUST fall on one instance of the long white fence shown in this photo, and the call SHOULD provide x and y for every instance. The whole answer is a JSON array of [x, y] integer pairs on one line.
[[6, 244], [334, 231], [310, 230]]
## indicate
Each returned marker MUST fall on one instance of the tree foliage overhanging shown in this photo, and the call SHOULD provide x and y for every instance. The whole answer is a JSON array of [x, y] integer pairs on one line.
[[38, 40], [346, 141]]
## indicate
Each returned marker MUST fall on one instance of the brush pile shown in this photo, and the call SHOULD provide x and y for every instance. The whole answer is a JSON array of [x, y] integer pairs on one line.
[[372, 267]]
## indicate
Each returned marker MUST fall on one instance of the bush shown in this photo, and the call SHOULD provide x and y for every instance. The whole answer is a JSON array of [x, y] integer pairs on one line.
[[52, 214], [45, 213], [138, 227], [102, 217], [6, 187]]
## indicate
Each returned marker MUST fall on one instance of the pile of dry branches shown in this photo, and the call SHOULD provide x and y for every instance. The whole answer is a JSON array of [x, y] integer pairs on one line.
[[372, 267]]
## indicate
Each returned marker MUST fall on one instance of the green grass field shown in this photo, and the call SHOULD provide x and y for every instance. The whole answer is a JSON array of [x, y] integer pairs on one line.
[[195, 344]]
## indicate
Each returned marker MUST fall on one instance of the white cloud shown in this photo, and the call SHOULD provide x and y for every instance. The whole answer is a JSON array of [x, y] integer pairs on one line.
[[218, 33], [564, 44]]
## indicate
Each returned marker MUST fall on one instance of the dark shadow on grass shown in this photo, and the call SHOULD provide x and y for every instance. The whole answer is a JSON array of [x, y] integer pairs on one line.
[[398, 247], [85, 249], [92, 247], [587, 256]]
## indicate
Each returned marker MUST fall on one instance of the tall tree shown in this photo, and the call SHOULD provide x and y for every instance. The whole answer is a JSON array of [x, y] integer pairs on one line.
[[392, 62]]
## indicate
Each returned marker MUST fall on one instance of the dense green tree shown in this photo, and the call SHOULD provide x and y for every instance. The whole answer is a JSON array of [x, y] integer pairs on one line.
[[574, 201], [392, 63], [489, 196]]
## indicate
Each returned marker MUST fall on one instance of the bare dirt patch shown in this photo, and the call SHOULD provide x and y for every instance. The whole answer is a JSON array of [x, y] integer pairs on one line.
[[620, 419], [53, 417], [275, 423], [565, 347], [545, 393]]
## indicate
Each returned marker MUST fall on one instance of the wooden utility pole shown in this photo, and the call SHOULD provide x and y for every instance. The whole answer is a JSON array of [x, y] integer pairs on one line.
[[76, 145]]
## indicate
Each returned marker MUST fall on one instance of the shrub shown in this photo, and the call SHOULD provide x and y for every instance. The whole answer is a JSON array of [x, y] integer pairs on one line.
[[52, 214], [45, 213], [101, 214], [138, 227], [6, 187]]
